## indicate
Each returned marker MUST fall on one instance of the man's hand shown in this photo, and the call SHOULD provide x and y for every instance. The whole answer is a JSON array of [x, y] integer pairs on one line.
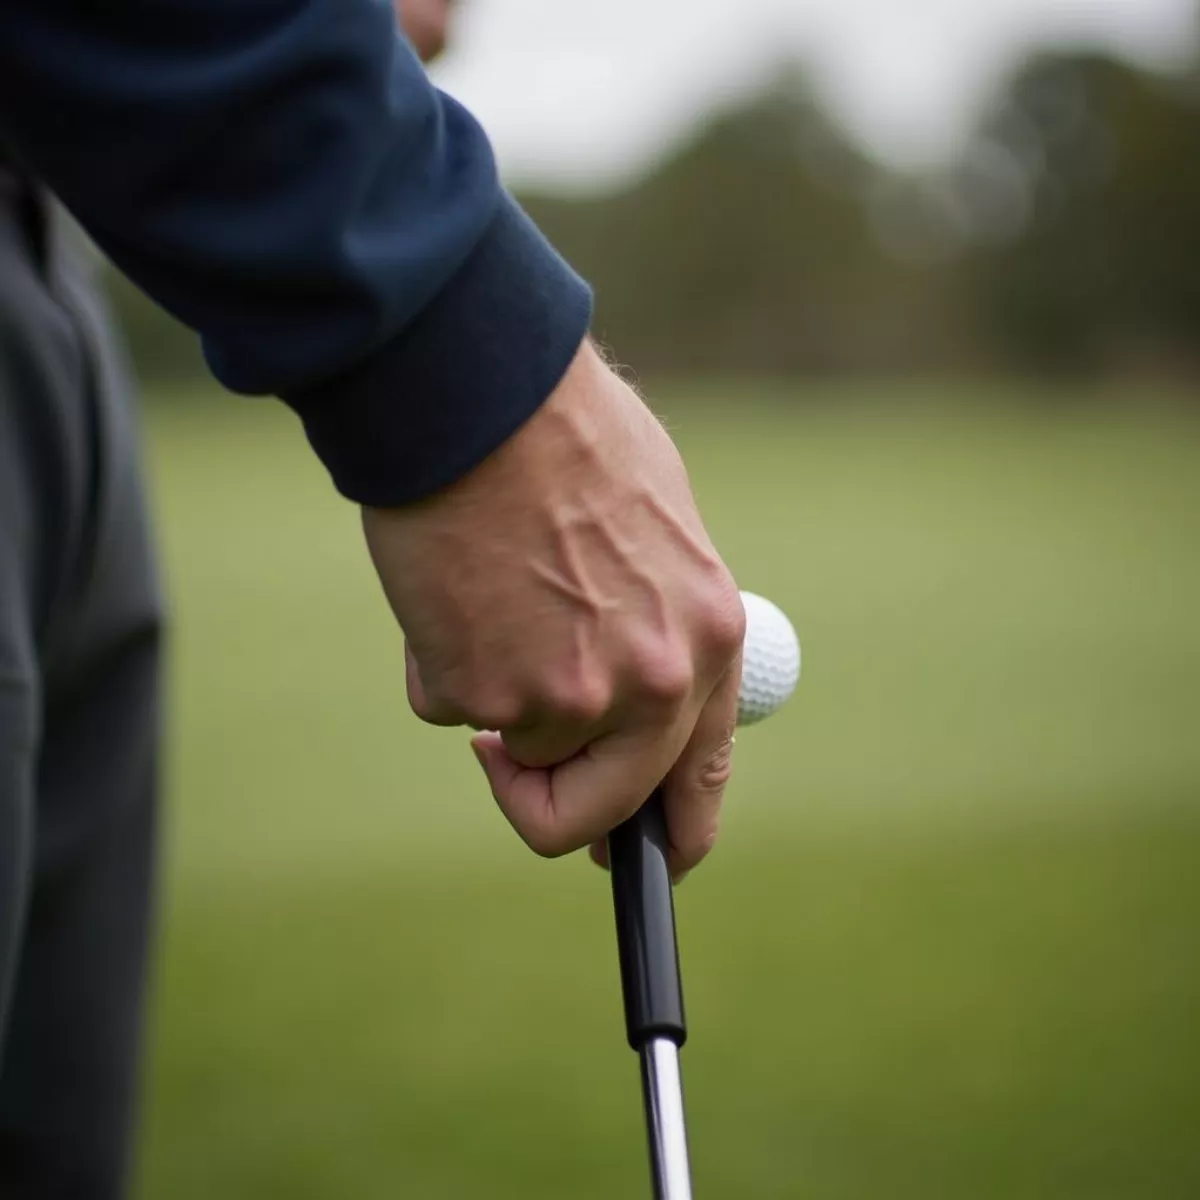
[[424, 23], [565, 596]]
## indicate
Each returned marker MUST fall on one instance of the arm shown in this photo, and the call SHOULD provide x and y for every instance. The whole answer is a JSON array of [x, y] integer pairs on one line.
[[281, 175]]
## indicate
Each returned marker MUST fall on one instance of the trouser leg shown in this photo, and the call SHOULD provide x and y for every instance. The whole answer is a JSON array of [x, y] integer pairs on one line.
[[77, 802]]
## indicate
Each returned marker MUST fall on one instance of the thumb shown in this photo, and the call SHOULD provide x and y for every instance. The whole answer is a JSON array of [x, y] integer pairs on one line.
[[560, 809], [498, 765], [518, 790]]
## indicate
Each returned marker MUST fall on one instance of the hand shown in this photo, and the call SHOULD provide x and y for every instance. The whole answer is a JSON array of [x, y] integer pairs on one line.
[[424, 23], [565, 596]]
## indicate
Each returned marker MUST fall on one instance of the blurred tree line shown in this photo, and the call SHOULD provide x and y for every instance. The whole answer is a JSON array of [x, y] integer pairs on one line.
[[1065, 238]]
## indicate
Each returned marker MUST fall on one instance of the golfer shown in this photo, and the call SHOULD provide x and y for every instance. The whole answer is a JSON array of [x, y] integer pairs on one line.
[[282, 176]]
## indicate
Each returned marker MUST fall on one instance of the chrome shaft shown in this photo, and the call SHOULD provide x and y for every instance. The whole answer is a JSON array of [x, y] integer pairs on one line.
[[663, 1091]]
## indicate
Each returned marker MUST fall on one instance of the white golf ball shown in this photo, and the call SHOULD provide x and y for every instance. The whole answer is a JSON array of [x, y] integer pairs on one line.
[[770, 660]]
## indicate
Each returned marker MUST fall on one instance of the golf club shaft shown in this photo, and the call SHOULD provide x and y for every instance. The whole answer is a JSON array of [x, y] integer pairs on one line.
[[650, 983], [662, 1092]]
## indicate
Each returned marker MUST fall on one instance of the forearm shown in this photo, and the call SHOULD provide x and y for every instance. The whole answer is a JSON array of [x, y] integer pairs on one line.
[[282, 176]]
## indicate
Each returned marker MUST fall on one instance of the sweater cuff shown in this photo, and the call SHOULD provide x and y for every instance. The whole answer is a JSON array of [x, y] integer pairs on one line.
[[462, 377]]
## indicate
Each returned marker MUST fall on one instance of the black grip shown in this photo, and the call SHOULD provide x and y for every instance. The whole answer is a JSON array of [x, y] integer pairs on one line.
[[645, 912]]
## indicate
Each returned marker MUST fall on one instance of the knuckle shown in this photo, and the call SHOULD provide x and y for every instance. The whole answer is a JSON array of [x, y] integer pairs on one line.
[[717, 768], [723, 622], [491, 709], [666, 678], [421, 705], [582, 700], [433, 708]]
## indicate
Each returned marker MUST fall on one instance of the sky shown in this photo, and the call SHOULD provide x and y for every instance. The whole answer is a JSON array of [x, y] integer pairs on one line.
[[580, 93]]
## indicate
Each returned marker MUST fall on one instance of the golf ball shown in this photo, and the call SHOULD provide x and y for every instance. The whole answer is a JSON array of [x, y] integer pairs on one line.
[[770, 660]]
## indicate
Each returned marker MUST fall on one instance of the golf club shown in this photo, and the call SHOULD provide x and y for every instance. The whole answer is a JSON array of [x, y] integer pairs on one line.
[[645, 912]]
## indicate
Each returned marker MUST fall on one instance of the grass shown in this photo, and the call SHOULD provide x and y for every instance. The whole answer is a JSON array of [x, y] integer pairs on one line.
[[946, 949]]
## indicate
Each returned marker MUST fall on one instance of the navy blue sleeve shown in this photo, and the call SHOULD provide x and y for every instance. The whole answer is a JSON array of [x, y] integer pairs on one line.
[[281, 175]]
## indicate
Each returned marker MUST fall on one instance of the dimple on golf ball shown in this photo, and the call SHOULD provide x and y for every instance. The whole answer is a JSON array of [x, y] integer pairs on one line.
[[770, 660]]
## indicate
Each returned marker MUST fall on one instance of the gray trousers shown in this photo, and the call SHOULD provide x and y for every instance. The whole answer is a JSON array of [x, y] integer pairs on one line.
[[79, 650]]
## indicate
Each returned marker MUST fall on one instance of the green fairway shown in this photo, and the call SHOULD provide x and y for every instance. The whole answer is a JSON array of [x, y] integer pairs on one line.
[[946, 950]]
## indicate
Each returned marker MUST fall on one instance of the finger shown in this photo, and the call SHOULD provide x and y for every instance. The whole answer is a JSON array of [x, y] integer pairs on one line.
[[598, 853], [560, 809], [546, 745], [553, 732], [695, 787]]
